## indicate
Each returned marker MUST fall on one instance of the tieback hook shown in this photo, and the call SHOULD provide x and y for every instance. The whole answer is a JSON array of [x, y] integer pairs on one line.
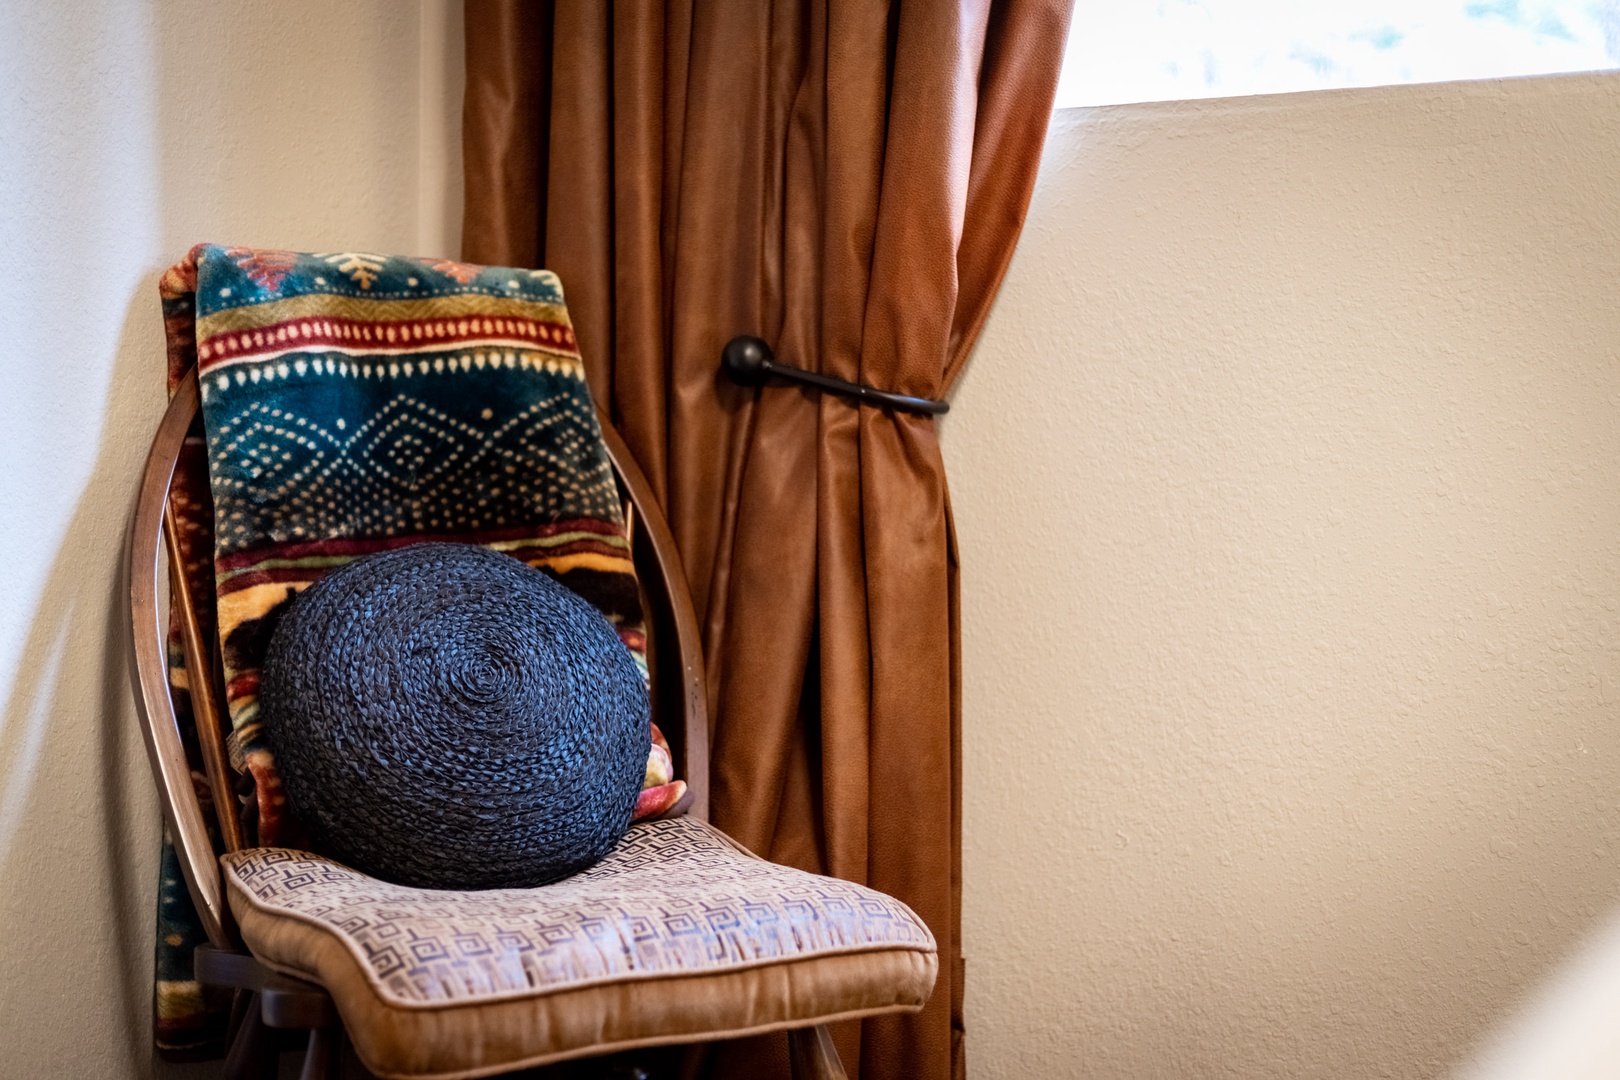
[[748, 361]]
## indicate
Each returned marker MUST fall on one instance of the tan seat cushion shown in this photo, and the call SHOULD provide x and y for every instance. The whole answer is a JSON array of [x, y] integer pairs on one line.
[[678, 935]]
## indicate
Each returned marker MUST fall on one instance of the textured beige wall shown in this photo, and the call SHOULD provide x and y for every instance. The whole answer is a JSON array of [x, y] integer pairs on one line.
[[128, 132], [1286, 480]]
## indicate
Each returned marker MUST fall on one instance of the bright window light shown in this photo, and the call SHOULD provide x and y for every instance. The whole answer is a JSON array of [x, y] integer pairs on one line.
[[1161, 50]]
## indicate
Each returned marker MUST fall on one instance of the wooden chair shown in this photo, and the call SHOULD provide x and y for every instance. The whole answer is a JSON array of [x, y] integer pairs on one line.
[[269, 1003]]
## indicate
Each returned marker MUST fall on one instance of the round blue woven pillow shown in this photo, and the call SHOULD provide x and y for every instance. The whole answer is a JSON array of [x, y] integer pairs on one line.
[[446, 716]]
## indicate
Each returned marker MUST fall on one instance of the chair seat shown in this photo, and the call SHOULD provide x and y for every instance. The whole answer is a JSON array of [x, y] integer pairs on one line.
[[679, 934]]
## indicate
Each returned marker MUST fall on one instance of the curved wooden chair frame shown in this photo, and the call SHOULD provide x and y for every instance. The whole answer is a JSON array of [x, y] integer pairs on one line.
[[265, 999]]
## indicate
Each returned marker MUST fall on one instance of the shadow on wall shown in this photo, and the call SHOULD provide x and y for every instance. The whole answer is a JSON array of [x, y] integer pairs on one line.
[[79, 820]]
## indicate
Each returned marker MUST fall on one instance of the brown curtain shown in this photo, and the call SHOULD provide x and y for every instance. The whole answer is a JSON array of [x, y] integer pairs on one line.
[[847, 181]]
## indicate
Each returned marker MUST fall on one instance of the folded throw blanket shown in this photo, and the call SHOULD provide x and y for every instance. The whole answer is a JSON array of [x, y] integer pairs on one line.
[[353, 403]]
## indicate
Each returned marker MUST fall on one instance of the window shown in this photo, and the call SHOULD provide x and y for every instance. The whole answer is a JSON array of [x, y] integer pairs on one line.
[[1158, 50]]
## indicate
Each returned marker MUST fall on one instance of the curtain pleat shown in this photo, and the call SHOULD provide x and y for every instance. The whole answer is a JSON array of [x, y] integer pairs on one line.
[[847, 181]]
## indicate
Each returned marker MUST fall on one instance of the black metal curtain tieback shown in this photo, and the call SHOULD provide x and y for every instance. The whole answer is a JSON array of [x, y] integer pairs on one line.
[[749, 362]]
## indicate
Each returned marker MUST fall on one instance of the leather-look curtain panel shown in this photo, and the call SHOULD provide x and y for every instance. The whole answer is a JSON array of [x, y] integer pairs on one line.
[[846, 180]]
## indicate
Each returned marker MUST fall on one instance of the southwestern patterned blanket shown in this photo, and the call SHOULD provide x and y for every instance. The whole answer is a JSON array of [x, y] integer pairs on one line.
[[353, 403]]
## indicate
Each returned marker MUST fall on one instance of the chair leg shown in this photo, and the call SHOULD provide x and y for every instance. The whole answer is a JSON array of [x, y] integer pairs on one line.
[[813, 1055], [324, 1056], [693, 1057], [241, 1000], [253, 1054]]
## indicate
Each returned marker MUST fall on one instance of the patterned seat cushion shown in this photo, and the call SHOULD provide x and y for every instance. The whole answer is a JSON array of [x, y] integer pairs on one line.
[[678, 935]]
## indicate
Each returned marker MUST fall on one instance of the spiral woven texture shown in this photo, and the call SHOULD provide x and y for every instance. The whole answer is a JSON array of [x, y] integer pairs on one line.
[[446, 716]]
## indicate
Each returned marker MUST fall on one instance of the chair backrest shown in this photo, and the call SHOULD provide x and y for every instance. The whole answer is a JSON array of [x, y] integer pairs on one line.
[[674, 655]]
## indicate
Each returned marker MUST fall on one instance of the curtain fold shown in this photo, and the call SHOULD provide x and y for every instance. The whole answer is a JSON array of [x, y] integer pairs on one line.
[[847, 181]]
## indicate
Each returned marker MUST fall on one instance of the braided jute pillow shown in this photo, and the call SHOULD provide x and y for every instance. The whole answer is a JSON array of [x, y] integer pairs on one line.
[[446, 716]]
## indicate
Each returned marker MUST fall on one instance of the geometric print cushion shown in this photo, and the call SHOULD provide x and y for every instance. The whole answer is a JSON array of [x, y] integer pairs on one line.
[[678, 934]]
